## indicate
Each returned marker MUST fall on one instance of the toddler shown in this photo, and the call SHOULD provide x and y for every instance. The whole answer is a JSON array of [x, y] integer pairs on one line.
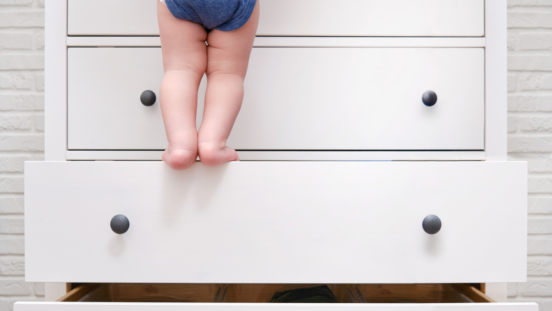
[[228, 27]]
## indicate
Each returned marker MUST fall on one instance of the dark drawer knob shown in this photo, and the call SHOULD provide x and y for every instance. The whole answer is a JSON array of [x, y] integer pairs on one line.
[[429, 98], [120, 224], [148, 98], [431, 224]]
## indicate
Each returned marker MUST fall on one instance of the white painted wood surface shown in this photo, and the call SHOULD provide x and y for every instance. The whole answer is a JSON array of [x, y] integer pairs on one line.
[[54, 291], [76, 306], [300, 18], [382, 42], [155, 155], [276, 222], [494, 13], [421, 18], [55, 81], [496, 72], [497, 291], [55, 99], [112, 17], [296, 99], [104, 108]]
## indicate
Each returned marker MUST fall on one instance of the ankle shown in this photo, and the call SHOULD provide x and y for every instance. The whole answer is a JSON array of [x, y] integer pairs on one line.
[[214, 154], [211, 145]]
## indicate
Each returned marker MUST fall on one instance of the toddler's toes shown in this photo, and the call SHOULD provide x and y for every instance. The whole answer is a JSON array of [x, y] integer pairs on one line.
[[179, 159], [212, 155]]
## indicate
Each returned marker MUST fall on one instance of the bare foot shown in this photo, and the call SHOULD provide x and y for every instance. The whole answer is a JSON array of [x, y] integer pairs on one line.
[[213, 154], [179, 159]]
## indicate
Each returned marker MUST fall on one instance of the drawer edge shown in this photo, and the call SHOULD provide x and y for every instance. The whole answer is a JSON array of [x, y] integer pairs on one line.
[[75, 306]]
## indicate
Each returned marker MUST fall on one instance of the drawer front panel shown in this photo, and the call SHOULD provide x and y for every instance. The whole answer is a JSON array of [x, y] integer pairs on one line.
[[76, 306], [300, 18], [296, 99], [276, 222], [104, 107]]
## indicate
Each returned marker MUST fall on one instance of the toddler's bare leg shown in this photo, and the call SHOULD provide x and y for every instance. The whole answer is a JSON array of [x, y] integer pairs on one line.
[[185, 61], [227, 59]]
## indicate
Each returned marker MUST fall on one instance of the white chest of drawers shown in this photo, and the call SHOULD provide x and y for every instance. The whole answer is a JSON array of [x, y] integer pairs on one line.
[[329, 81]]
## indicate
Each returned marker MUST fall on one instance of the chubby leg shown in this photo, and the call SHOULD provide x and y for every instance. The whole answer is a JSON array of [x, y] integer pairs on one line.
[[185, 61], [227, 59]]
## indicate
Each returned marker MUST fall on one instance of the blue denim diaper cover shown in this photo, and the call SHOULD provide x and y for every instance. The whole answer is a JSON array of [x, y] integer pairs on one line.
[[225, 15]]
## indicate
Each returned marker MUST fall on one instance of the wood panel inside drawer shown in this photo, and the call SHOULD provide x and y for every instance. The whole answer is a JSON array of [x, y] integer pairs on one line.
[[264, 293]]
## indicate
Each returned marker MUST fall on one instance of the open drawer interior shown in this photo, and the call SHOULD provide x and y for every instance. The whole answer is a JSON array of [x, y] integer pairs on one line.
[[276, 293]]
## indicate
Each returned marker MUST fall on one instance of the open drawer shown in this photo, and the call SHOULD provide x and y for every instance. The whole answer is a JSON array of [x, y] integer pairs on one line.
[[119, 297], [276, 222]]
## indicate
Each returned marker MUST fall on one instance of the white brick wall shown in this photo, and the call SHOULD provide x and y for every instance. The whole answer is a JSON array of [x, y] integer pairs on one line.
[[530, 136], [21, 137]]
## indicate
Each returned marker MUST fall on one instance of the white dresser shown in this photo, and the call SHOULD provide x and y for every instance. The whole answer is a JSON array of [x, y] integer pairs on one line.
[[373, 145]]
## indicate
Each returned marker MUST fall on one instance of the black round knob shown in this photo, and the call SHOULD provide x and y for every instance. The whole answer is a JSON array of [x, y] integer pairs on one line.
[[431, 224], [120, 224], [148, 98], [429, 98]]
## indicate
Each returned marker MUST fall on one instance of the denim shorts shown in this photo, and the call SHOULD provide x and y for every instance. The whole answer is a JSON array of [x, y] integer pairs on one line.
[[225, 15]]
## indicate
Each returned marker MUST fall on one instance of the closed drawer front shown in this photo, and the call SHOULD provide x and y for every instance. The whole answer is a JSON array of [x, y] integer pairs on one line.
[[300, 17], [256, 297], [276, 222], [296, 99]]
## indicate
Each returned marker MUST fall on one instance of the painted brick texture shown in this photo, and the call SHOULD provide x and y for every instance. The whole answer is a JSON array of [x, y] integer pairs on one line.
[[22, 139], [530, 136], [21, 135]]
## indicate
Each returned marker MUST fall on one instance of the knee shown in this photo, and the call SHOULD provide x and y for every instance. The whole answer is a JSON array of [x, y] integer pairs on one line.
[[196, 71], [233, 73]]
